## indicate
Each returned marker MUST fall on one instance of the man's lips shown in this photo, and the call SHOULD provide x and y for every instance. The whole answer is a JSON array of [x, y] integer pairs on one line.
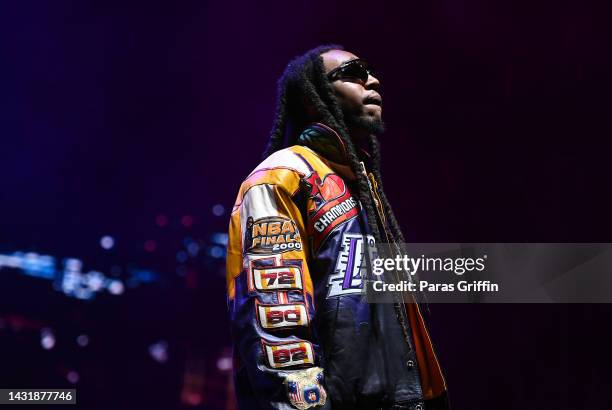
[[374, 100]]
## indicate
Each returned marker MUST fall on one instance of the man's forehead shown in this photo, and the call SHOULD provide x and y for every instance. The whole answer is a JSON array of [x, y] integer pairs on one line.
[[333, 58]]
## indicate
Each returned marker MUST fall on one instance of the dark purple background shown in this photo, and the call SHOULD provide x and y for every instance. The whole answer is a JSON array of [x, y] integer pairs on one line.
[[498, 118]]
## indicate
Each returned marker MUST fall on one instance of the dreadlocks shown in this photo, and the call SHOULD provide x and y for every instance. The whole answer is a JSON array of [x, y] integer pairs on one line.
[[304, 82]]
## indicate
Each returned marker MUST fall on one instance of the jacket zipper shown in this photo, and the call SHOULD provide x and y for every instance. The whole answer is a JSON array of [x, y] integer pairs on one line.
[[377, 201], [402, 315]]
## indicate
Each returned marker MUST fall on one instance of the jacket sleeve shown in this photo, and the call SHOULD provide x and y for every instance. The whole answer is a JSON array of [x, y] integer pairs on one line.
[[277, 359]]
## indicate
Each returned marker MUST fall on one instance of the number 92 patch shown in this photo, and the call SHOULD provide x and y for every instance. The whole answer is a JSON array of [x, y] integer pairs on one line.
[[291, 354]]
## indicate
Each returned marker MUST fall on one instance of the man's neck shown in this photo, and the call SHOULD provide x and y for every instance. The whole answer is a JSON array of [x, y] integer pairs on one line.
[[360, 138]]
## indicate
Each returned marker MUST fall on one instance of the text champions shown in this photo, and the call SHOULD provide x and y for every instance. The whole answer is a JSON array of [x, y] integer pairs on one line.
[[334, 213]]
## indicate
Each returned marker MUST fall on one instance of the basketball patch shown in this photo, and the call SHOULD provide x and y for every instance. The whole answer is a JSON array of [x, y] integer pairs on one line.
[[272, 234]]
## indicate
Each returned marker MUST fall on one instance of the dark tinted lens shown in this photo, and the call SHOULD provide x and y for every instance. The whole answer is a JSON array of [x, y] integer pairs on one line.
[[355, 70]]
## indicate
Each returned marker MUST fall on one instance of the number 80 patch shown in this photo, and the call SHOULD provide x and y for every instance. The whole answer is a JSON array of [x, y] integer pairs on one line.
[[280, 316]]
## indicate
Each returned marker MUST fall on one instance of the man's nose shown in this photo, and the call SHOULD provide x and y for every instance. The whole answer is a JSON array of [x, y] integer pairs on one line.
[[372, 83]]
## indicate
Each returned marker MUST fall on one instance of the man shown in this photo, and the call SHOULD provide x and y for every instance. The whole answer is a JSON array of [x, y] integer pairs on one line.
[[303, 335]]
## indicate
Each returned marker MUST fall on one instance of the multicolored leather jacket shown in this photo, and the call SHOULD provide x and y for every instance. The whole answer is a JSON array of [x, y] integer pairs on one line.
[[303, 335]]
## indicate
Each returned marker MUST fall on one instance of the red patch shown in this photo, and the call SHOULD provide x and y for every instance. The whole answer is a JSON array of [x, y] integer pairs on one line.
[[330, 188], [333, 206]]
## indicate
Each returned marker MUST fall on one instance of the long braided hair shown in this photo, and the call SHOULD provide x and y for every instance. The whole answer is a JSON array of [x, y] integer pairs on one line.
[[304, 82]]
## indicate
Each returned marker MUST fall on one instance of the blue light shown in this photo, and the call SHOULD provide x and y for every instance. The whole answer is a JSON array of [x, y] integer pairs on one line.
[[143, 275], [116, 287], [218, 210], [159, 351], [193, 248], [32, 264], [181, 256], [47, 338], [220, 238], [82, 340], [107, 242], [69, 278], [217, 252]]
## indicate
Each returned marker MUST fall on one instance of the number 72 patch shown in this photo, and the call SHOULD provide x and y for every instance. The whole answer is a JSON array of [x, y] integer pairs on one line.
[[276, 278]]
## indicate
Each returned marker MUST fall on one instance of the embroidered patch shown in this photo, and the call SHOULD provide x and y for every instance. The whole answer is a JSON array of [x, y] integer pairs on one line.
[[281, 355], [282, 316], [304, 388], [277, 278], [273, 234], [347, 277], [334, 205]]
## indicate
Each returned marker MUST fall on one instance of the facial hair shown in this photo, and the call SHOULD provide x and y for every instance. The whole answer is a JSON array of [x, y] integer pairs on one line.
[[371, 124]]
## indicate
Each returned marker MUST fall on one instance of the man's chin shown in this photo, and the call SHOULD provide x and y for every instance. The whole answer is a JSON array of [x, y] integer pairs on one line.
[[372, 124]]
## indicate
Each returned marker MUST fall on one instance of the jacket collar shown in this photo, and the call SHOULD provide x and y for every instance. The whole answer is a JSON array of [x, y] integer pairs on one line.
[[325, 141]]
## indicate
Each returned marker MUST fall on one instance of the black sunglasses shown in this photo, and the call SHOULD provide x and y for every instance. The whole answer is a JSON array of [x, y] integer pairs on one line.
[[356, 68]]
